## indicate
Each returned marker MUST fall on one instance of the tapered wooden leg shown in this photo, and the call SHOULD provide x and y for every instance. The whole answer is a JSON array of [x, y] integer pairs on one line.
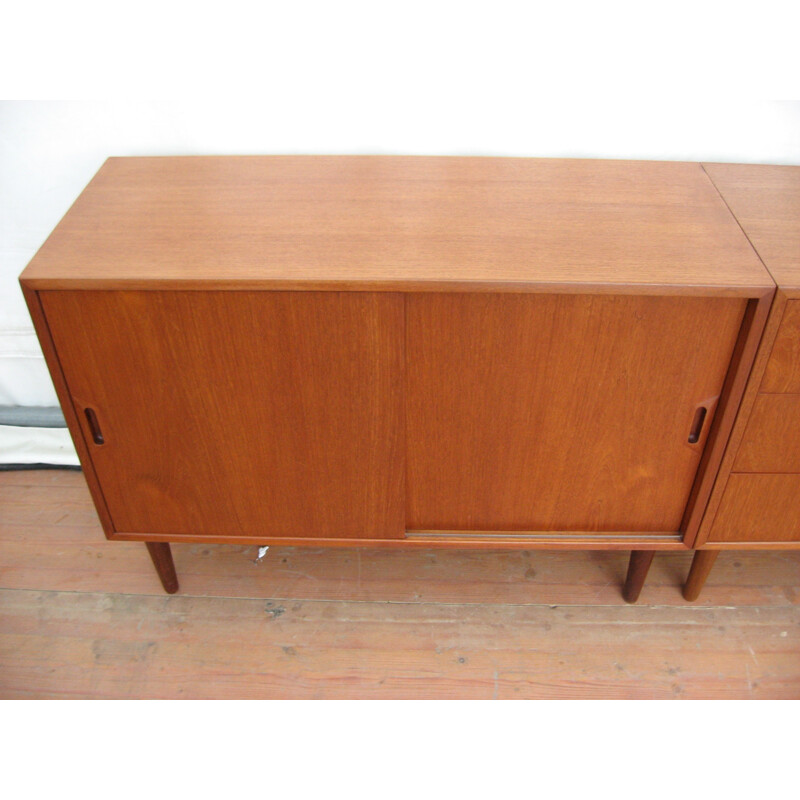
[[637, 572], [165, 567], [701, 565]]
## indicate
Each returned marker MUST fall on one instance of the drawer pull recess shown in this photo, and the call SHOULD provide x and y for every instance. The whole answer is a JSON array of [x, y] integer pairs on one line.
[[94, 426], [697, 424]]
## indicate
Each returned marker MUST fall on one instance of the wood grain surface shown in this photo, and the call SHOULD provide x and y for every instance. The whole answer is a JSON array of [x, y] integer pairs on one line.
[[745, 407], [771, 442], [237, 413], [559, 413], [105, 646], [50, 539], [84, 617], [765, 199], [783, 368], [733, 400], [759, 508], [34, 303], [390, 222]]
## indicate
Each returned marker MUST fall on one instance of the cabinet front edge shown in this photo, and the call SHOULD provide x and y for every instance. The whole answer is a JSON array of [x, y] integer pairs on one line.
[[750, 291]]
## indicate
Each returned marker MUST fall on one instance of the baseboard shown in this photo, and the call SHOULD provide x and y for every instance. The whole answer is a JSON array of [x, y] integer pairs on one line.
[[21, 445]]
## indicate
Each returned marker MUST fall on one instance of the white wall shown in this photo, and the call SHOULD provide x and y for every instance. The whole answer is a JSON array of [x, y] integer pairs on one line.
[[49, 151]]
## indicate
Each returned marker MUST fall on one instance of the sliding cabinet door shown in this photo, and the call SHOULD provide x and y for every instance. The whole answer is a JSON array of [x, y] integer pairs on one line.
[[560, 412], [242, 414]]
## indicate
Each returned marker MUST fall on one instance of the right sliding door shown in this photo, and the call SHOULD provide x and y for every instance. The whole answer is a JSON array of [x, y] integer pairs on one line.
[[560, 413]]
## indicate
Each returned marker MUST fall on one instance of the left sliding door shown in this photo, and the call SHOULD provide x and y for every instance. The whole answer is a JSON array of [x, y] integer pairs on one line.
[[239, 414]]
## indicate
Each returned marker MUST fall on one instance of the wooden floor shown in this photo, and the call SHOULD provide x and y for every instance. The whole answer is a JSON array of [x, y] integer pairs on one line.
[[83, 617]]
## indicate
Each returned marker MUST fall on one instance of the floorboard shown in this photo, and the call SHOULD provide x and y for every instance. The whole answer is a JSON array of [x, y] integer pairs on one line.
[[84, 617]]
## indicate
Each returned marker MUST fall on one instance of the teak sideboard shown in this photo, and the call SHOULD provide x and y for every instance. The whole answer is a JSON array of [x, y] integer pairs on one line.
[[425, 352]]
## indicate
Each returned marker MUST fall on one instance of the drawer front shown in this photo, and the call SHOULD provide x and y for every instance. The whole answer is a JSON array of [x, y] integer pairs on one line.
[[759, 508], [783, 368], [771, 441]]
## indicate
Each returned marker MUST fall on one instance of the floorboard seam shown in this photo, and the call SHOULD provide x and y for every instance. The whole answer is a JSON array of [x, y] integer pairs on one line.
[[296, 599]]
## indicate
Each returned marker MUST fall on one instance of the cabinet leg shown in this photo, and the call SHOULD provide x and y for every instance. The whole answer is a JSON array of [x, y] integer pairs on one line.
[[701, 565], [637, 572], [165, 567]]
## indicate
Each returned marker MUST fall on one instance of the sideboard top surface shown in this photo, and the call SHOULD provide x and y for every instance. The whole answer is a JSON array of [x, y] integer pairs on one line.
[[400, 223], [766, 201]]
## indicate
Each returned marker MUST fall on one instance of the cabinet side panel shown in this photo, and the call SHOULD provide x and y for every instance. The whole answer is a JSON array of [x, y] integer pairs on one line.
[[560, 413], [240, 414]]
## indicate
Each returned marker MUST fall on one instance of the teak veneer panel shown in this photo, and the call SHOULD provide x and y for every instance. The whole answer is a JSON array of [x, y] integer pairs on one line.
[[745, 407], [750, 506], [397, 222], [771, 441], [559, 412], [242, 414], [765, 199], [783, 368], [759, 508]]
